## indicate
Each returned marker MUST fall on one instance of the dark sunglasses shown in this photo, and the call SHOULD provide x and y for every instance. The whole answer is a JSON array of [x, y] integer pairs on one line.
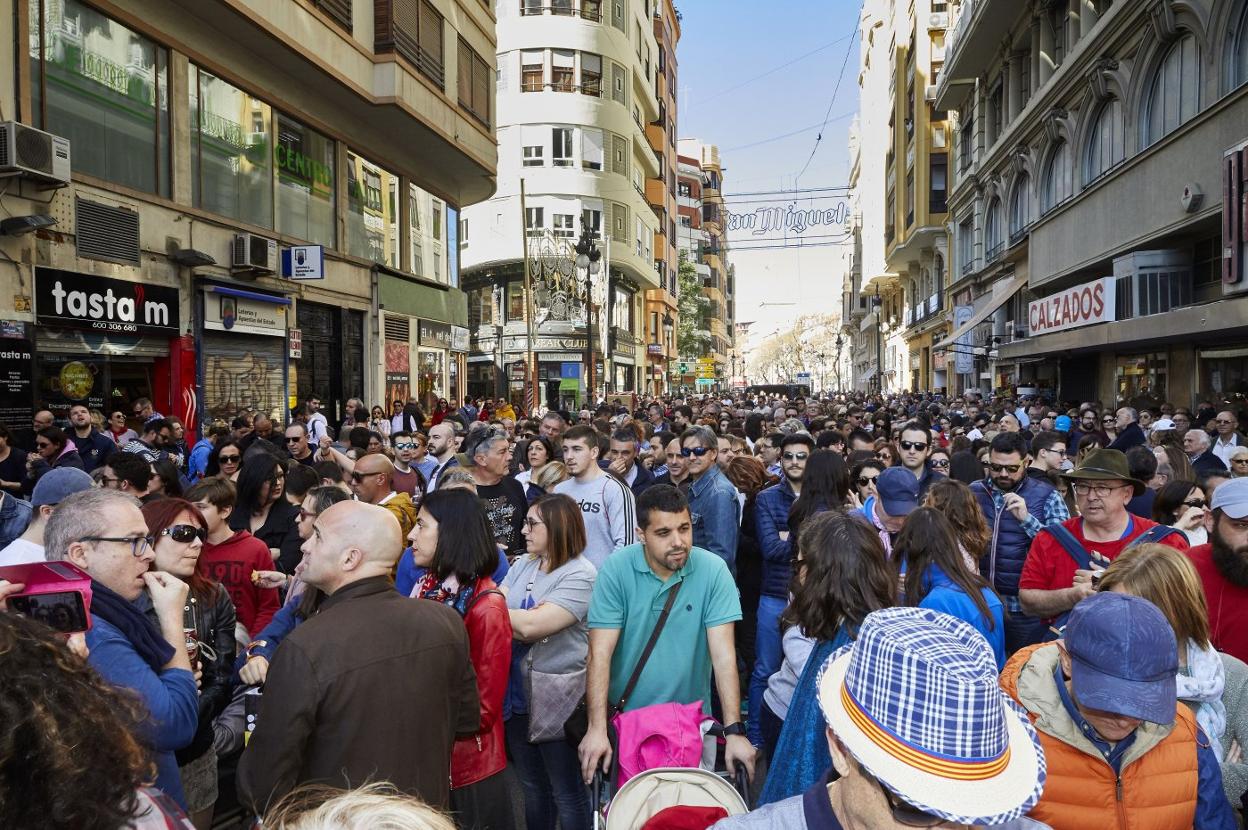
[[795, 456], [1201, 503], [357, 476], [913, 445], [294, 440], [865, 481], [228, 459], [185, 533], [405, 445], [940, 463], [1005, 468], [696, 451]]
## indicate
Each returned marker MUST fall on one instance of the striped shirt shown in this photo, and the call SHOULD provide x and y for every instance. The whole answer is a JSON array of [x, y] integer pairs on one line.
[[610, 514]]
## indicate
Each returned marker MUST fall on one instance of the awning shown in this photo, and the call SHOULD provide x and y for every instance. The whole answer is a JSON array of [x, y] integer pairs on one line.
[[870, 373], [1002, 290]]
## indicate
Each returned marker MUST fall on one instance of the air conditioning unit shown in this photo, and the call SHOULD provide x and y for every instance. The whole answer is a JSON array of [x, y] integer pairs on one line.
[[929, 93], [34, 154], [251, 252], [938, 20]]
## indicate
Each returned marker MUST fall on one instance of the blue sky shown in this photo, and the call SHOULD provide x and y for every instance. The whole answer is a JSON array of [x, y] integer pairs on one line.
[[725, 45]]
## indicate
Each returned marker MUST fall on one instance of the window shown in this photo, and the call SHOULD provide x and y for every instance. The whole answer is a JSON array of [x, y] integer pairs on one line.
[[966, 143], [617, 15], [1106, 144], [534, 221], [993, 243], [305, 182], [424, 227], [621, 309], [532, 155], [531, 71], [105, 88], [686, 221], [939, 167], [1240, 68], [372, 212], [1059, 13], [966, 244], [591, 74], [1020, 206], [1024, 79], [563, 7], [641, 231], [996, 112], [474, 83], [591, 10], [1057, 186], [562, 71], [684, 190], [529, 7], [591, 149], [909, 197], [563, 225], [481, 307], [231, 165], [561, 146], [435, 226], [1174, 94], [429, 58], [515, 301], [463, 233], [592, 219], [619, 80]]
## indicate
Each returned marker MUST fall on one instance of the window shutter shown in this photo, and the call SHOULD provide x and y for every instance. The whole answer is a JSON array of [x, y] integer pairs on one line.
[[431, 60], [592, 148], [339, 10], [463, 74], [481, 88]]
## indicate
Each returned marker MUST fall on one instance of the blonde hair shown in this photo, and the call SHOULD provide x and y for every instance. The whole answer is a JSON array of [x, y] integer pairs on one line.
[[551, 474], [1166, 578], [378, 806]]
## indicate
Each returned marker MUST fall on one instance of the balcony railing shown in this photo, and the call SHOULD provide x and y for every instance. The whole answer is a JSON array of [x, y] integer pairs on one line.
[[968, 267], [994, 253], [414, 30], [589, 10]]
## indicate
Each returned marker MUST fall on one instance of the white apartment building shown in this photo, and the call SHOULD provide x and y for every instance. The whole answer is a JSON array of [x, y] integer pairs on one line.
[[1094, 139], [576, 87]]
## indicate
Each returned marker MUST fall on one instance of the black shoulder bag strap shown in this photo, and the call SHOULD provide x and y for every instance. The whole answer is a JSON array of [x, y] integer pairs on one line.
[[645, 654]]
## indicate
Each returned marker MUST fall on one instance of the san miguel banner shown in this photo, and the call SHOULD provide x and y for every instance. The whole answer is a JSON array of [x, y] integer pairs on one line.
[[66, 298], [1082, 305]]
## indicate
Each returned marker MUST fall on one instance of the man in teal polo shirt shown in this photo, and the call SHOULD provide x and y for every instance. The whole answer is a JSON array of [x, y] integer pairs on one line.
[[629, 595]]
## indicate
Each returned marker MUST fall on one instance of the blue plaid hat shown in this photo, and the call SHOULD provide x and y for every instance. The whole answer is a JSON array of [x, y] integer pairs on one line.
[[915, 699]]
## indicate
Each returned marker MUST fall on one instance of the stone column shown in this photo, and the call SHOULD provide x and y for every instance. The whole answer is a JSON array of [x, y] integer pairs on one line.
[[1047, 50]]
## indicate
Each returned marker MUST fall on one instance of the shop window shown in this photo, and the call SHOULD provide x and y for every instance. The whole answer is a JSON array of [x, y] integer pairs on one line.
[[1142, 377], [106, 89], [305, 182], [1174, 93], [231, 160], [1106, 144], [515, 302], [372, 212], [432, 378]]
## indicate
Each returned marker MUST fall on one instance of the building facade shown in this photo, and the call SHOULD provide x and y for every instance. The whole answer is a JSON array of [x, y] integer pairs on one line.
[[1093, 256], [576, 89], [204, 144]]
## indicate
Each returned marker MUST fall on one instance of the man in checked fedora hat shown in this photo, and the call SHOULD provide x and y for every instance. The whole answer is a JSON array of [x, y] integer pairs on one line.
[[1064, 559], [920, 734]]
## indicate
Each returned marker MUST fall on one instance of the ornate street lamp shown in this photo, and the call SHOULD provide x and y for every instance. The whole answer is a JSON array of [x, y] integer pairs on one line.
[[587, 257]]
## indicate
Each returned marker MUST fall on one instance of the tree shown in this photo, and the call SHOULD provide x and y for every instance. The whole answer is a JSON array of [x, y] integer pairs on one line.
[[692, 338], [809, 346]]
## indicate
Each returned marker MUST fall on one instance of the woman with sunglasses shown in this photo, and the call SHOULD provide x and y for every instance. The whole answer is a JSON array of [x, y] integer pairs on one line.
[[179, 531], [886, 452], [119, 431], [261, 509], [862, 477], [1182, 506], [225, 460], [1239, 462], [1109, 426], [380, 424], [938, 460]]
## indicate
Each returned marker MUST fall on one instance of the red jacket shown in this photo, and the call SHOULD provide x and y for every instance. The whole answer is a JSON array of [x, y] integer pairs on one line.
[[489, 641]]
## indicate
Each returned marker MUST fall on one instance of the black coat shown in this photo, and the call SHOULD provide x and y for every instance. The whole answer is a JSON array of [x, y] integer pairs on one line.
[[1207, 462]]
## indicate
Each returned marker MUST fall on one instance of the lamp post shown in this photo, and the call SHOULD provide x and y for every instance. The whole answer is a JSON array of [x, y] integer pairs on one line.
[[840, 342], [668, 325], [587, 257]]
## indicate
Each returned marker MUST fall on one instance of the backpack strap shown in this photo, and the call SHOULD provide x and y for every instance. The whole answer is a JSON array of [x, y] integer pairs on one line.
[[654, 638], [1155, 534], [1071, 545]]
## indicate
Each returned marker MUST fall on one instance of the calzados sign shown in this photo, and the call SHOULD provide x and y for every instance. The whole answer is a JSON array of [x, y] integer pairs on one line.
[[103, 304], [1083, 305]]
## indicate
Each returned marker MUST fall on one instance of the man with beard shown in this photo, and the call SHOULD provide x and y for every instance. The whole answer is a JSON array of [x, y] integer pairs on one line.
[[1017, 507], [1223, 567]]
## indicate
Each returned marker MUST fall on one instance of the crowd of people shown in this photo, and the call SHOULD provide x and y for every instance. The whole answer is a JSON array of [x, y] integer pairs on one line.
[[898, 611]]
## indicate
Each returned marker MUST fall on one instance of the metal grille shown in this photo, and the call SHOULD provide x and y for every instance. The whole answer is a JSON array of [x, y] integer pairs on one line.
[[106, 232], [339, 10], [398, 328]]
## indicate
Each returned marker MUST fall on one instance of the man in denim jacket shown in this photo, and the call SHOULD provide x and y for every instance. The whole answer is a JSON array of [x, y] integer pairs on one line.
[[712, 498]]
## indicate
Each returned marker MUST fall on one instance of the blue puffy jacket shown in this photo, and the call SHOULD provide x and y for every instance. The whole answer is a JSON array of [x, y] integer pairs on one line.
[[1002, 563], [771, 516]]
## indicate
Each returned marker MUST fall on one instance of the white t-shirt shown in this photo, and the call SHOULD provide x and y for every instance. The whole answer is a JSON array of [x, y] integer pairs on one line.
[[22, 552]]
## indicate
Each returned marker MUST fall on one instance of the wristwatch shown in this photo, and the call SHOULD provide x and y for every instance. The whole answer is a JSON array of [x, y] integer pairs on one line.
[[737, 728]]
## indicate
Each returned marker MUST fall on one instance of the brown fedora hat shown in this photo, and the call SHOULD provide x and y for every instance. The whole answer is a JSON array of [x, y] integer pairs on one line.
[[1105, 465]]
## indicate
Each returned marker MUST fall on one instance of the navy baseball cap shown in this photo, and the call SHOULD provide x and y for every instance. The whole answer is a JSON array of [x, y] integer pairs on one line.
[[1124, 658], [899, 491]]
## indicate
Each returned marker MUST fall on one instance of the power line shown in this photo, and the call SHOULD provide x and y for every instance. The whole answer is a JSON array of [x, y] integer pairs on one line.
[[772, 71], [835, 91], [786, 190], [843, 195], [788, 135]]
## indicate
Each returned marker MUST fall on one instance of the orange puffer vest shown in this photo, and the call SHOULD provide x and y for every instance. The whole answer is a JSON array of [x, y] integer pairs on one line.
[[1157, 789]]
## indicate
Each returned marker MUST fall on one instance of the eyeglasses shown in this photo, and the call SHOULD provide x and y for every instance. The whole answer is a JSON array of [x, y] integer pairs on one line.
[[1098, 490], [1223, 421], [795, 456], [904, 813], [865, 481], [940, 463], [405, 445], [1108, 420], [304, 515], [228, 459], [531, 523], [695, 451], [1005, 468], [185, 533], [1062, 453], [1239, 460], [105, 481], [920, 446], [138, 544]]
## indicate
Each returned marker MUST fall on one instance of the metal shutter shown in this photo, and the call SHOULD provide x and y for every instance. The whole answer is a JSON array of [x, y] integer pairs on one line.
[[241, 372], [106, 232]]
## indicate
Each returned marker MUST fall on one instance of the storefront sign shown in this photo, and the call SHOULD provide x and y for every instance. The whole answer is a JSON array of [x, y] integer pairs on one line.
[[304, 262], [296, 343], [654, 348], [16, 376], [66, 298], [245, 315], [1082, 305], [516, 371], [434, 334], [459, 338], [964, 356]]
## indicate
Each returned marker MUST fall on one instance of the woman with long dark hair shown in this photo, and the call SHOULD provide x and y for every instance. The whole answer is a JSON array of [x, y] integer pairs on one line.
[[825, 486], [261, 509], [933, 574], [862, 478], [531, 456], [179, 531], [453, 540], [1182, 506], [225, 460], [840, 575], [957, 503]]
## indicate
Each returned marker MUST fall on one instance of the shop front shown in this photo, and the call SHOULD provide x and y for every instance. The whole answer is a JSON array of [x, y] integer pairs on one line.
[[104, 342], [437, 368], [244, 353], [397, 354], [432, 358]]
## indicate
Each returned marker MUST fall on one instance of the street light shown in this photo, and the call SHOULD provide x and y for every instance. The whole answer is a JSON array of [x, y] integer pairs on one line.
[[840, 342], [587, 257]]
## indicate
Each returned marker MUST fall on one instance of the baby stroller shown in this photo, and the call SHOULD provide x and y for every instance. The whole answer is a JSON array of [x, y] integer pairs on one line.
[[656, 799]]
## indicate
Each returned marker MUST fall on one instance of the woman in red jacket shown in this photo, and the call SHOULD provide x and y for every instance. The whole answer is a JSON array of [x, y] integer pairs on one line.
[[459, 564]]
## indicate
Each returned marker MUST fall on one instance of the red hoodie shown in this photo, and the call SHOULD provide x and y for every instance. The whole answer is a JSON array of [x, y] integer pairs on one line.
[[231, 563]]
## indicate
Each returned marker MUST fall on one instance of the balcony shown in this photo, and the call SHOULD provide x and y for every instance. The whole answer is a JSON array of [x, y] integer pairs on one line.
[[590, 10], [994, 253], [412, 29]]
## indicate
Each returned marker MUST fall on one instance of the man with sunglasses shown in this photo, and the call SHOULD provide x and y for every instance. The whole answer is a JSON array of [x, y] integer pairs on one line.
[[1225, 424], [712, 498], [297, 444], [771, 517], [1016, 507], [371, 481], [914, 448], [1054, 578], [129, 473]]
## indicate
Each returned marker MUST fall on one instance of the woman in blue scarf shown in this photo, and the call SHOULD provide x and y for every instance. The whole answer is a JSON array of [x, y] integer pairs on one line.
[[840, 575]]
